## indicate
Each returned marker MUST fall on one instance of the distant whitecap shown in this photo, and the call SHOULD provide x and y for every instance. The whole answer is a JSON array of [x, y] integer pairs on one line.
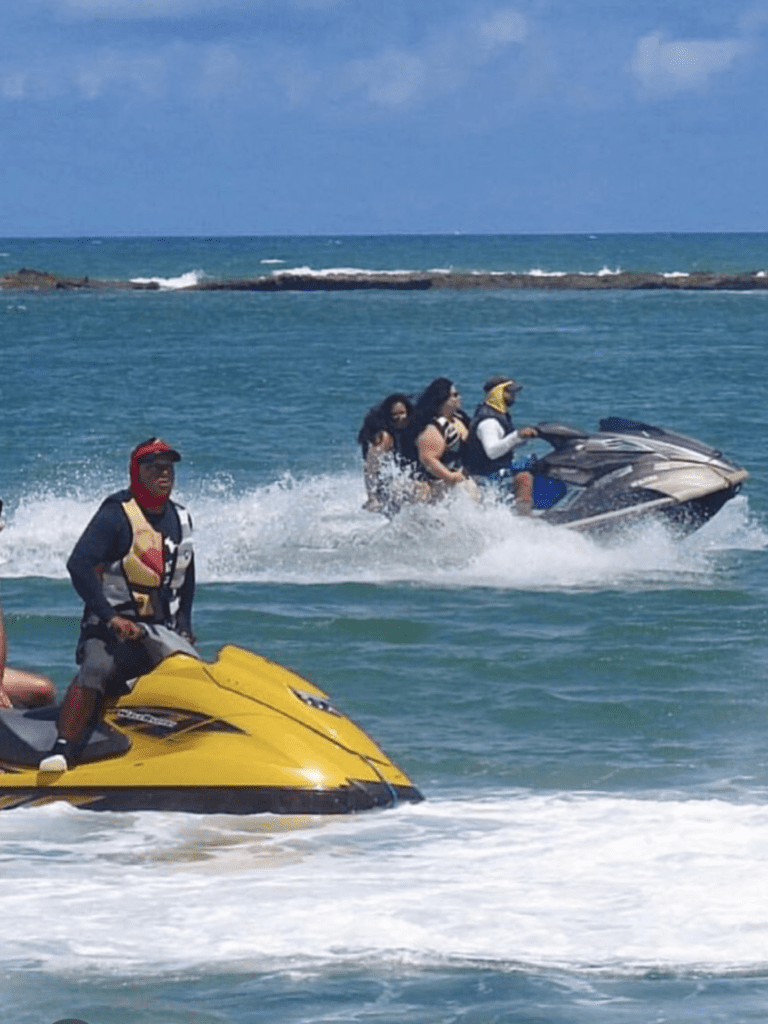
[[188, 280]]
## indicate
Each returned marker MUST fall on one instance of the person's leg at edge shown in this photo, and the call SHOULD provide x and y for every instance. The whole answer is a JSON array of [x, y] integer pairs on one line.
[[28, 689], [523, 487]]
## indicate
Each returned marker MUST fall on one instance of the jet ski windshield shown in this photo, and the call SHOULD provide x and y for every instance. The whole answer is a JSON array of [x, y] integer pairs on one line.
[[619, 425]]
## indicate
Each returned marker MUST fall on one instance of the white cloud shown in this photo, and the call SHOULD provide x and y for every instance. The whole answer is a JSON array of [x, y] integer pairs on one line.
[[391, 79], [14, 85], [385, 73], [88, 76], [129, 10], [176, 10], [94, 76], [220, 70], [502, 28], [397, 77], [663, 67]]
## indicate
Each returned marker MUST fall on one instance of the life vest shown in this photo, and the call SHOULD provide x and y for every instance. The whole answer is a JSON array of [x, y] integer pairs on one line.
[[476, 460], [453, 456], [145, 583]]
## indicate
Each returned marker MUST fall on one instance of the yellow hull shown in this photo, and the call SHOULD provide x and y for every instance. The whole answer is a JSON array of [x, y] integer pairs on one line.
[[241, 735]]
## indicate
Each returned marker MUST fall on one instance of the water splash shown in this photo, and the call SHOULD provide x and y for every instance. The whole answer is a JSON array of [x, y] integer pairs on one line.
[[584, 882], [314, 530], [186, 280]]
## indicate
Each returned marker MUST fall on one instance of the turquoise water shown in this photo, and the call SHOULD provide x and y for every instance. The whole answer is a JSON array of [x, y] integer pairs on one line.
[[587, 720]]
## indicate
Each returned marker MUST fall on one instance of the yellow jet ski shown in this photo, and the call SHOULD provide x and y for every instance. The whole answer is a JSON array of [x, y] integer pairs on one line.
[[240, 735]]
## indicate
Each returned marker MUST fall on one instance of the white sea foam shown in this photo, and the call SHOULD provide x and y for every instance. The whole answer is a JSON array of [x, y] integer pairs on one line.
[[331, 272], [583, 882], [187, 280], [315, 531]]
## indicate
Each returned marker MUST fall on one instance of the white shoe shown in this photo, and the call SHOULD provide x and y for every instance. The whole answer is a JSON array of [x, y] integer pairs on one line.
[[53, 763]]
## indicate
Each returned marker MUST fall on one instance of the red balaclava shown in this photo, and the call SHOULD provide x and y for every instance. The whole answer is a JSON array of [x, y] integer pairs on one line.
[[154, 446]]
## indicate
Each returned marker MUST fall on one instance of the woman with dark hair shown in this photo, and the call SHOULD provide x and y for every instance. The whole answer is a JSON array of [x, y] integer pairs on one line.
[[441, 430], [382, 439]]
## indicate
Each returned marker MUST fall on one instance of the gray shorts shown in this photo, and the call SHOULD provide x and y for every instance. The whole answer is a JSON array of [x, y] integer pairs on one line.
[[107, 665]]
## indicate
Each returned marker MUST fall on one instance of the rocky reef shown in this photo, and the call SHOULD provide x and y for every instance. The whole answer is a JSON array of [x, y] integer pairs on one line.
[[38, 280], [42, 280]]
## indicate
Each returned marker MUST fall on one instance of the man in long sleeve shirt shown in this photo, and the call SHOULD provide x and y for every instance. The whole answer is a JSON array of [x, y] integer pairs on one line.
[[493, 439], [133, 564]]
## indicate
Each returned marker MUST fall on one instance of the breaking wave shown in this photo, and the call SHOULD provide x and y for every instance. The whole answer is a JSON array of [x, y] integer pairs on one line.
[[187, 280]]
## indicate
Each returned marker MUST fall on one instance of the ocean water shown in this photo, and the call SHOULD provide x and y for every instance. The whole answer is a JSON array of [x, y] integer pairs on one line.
[[586, 719]]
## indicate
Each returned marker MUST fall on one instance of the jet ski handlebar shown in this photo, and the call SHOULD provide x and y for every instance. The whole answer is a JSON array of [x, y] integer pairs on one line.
[[557, 434], [166, 641]]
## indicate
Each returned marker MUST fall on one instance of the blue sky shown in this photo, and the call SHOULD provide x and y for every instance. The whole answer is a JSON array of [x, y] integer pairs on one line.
[[221, 117]]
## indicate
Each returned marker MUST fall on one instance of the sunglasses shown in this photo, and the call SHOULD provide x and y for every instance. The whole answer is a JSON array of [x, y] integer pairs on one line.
[[157, 466]]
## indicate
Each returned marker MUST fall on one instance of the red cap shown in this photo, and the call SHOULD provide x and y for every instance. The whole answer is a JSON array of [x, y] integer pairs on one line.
[[154, 446]]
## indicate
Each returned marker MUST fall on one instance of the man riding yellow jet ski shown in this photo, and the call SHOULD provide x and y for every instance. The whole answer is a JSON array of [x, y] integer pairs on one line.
[[240, 735], [146, 724]]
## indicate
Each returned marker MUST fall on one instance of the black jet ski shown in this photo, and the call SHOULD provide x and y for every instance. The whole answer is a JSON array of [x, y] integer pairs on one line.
[[240, 735], [626, 471]]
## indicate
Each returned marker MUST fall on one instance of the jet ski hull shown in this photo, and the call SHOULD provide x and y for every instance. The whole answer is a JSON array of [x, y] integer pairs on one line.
[[628, 471], [241, 735], [351, 799]]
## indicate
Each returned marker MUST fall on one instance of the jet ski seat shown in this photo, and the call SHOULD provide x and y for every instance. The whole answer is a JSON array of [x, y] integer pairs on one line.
[[27, 735]]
